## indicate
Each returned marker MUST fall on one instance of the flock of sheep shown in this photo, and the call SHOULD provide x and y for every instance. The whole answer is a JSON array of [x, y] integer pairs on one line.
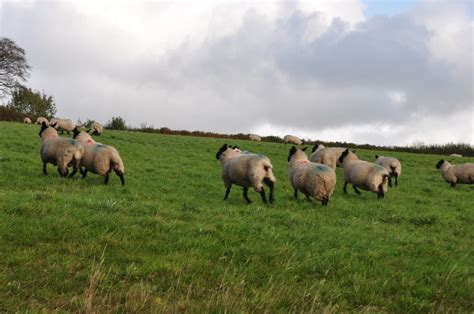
[[81, 152], [315, 176]]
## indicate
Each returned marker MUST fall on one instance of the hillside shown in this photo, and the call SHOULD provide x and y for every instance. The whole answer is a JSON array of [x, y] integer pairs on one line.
[[168, 242]]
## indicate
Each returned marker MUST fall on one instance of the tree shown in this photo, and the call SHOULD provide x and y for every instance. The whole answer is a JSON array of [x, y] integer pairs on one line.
[[32, 103], [14, 68], [117, 123]]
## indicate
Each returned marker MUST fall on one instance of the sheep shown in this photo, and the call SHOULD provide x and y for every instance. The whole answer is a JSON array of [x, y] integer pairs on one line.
[[456, 155], [292, 140], [392, 164], [59, 151], [312, 179], [40, 120], [99, 158], [327, 156], [255, 137], [27, 120], [246, 170], [363, 174], [63, 125], [454, 174], [97, 128]]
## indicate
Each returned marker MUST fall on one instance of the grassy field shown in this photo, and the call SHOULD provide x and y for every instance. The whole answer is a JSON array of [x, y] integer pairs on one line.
[[168, 241]]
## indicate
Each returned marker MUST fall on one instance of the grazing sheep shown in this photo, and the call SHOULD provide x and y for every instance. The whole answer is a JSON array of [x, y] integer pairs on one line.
[[27, 120], [99, 158], [63, 125], [246, 170], [312, 179], [456, 155], [363, 174], [97, 128], [393, 166], [454, 174], [59, 151], [327, 156], [255, 137], [40, 120], [292, 140]]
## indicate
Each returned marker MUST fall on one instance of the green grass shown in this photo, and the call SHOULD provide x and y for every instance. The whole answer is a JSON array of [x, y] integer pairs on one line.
[[168, 242]]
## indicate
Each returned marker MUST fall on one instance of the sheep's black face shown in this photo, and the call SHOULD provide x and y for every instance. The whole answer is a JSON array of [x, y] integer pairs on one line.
[[75, 132], [343, 155], [220, 151], [439, 164], [315, 147], [291, 153], [376, 156], [43, 127]]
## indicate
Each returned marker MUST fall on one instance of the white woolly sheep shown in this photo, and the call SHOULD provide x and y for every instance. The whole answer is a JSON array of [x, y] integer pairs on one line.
[[326, 155], [63, 125], [59, 151], [40, 120], [392, 164], [292, 140], [27, 120], [99, 158], [97, 128], [312, 179], [454, 174], [363, 174], [456, 155], [255, 137], [246, 170]]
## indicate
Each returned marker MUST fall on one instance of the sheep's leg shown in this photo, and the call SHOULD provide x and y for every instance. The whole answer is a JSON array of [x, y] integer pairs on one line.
[[262, 194], [106, 178], [307, 198], [453, 184], [390, 181], [74, 171], [325, 201], [270, 184], [356, 189], [246, 196], [227, 191], [345, 188], [44, 169], [120, 175], [381, 193], [83, 172], [296, 193], [396, 179]]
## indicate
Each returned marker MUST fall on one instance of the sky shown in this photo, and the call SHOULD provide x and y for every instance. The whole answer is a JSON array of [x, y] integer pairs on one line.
[[363, 71]]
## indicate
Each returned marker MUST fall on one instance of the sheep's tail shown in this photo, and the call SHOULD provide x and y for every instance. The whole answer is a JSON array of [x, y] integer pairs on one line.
[[267, 166]]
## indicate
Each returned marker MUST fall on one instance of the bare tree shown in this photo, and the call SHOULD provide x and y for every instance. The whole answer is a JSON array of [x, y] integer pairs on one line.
[[14, 68]]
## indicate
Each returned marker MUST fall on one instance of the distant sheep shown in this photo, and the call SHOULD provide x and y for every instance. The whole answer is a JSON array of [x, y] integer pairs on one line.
[[97, 128], [454, 174], [363, 174], [63, 125], [40, 120], [456, 155], [312, 179], [59, 151], [99, 158], [327, 155], [246, 170], [292, 140], [27, 120], [254, 137], [393, 166]]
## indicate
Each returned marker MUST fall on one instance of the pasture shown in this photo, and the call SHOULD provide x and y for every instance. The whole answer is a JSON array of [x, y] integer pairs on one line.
[[168, 242]]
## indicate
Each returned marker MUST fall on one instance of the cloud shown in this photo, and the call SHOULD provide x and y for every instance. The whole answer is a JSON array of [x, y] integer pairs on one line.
[[320, 71]]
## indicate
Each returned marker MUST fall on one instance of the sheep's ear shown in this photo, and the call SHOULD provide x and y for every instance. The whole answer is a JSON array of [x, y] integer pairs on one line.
[[303, 149], [439, 164], [54, 125]]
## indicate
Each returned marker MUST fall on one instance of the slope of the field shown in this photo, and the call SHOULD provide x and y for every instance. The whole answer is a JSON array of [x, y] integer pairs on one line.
[[168, 241]]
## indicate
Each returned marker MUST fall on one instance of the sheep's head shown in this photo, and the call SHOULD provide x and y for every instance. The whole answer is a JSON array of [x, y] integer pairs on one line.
[[75, 132], [315, 147], [44, 126], [376, 156], [440, 163], [221, 150], [294, 150]]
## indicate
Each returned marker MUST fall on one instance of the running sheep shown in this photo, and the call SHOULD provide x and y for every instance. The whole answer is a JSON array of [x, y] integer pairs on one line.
[[363, 174], [292, 140], [312, 179], [246, 170], [40, 120], [27, 120], [392, 164], [327, 156], [59, 151], [63, 125], [454, 174], [99, 158]]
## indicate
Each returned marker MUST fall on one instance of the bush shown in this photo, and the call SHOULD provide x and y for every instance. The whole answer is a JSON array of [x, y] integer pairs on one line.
[[116, 123]]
